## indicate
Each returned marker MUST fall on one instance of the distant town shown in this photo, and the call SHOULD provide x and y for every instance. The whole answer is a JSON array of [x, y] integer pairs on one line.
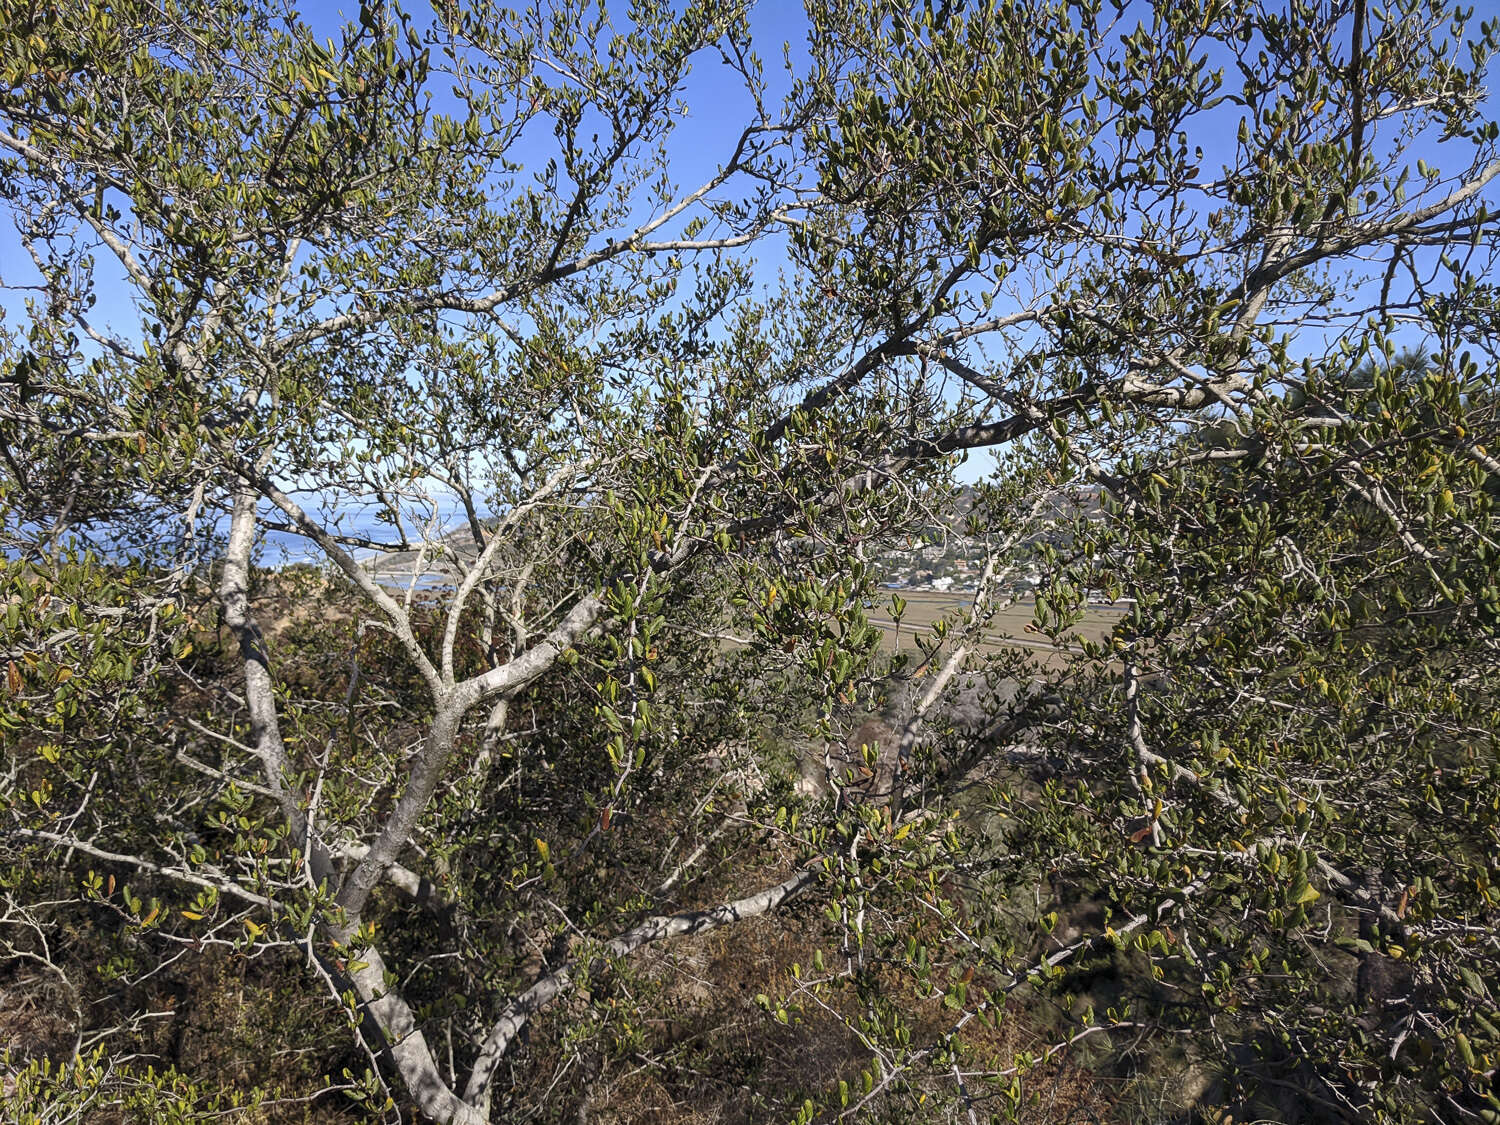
[[946, 560]]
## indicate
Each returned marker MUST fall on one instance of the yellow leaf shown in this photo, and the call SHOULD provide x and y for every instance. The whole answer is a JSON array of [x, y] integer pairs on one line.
[[1309, 895], [192, 915], [904, 831]]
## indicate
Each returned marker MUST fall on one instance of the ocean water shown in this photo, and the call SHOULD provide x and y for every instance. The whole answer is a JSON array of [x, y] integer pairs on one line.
[[281, 548]]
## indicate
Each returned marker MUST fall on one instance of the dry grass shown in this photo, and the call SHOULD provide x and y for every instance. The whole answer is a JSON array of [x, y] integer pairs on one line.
[[711, 1055], [1009, 629]]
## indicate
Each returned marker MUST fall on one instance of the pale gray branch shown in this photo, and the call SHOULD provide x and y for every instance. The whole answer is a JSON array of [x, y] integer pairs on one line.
[[557, 982]]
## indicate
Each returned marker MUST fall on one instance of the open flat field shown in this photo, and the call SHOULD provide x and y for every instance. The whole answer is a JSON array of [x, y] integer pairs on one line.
[[923, 607]]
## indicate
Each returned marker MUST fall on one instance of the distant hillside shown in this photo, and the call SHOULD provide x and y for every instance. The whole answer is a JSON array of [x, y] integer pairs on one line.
[[945, 557]]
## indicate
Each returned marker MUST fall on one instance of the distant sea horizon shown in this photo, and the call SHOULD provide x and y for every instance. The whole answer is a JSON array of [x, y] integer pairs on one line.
[[282, 548]]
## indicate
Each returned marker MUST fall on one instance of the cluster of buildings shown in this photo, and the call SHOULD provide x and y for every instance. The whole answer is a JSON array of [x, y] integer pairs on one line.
[[944, 559]]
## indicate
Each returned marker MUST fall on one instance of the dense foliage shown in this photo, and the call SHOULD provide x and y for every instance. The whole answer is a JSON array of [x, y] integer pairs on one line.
[[441, 667]]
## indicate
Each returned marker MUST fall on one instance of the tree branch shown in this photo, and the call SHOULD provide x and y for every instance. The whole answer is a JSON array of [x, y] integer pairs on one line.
[[560, 980]]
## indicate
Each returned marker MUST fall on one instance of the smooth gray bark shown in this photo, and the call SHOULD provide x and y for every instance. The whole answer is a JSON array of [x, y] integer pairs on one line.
[[560, 980]]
